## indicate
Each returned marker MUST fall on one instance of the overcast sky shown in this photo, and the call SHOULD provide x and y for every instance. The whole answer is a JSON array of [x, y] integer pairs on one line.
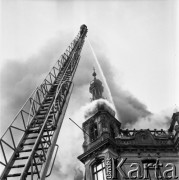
[[134, 40]]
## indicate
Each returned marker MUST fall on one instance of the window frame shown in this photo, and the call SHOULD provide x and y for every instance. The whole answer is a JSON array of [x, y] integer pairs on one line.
[[93, 131], [96, 171]]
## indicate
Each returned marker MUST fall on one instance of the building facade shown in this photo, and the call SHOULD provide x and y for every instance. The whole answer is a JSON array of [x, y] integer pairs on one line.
[[111, 152]]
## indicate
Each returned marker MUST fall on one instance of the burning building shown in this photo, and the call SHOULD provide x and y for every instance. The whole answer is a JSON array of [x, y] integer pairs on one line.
[[111, 152]]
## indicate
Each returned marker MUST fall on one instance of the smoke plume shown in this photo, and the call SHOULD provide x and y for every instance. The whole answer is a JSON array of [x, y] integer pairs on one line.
[[94, 106], [78, 174], [18, 79], [129, 108]]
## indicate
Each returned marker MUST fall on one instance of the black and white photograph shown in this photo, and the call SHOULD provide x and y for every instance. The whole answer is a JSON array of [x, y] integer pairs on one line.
[[89, 90]]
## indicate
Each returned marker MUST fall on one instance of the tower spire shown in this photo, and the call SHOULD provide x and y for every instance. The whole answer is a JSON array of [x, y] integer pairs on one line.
[[94, 73], [96, 87]]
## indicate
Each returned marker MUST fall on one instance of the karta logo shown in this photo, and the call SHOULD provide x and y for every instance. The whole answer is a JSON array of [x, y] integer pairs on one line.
[[138, 171], [109, 167]]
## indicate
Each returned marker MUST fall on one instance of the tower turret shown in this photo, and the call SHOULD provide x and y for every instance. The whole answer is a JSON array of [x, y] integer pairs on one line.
[[100, 131], [96, 88], [107, 146]]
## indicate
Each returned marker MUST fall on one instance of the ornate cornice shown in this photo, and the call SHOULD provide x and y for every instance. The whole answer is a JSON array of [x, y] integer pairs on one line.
[[132, 144]]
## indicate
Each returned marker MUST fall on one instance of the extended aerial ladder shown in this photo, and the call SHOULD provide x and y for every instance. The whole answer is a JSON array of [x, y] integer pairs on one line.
[[28, 144]]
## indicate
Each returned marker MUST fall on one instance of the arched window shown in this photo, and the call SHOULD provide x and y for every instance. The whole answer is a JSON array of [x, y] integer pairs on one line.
[[112, 132], [98, 170], [93, 132]]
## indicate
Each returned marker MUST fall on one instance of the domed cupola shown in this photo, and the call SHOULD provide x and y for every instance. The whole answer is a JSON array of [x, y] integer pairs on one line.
[[96, 88]]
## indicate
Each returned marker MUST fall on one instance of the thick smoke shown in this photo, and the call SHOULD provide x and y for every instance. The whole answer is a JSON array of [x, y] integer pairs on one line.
[[78, 174], [153, 121], [69, 173], [132, 112], [18, 79], [129, 108], [95, 105], [57, 171]]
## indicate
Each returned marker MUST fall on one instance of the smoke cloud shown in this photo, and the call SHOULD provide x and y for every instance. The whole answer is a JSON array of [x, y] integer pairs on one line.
[[94, 106], [129, 108], [18, 79], [153, 121], [78, 174]]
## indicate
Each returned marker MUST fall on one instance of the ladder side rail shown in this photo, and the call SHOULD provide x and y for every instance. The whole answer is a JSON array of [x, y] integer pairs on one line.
[[37, 142], [20, 113], [44, 91], [47, 115], [54, 138], [74, 63], [41, 132], [18, 147], [63, 101], [60, 121], [14, 150]]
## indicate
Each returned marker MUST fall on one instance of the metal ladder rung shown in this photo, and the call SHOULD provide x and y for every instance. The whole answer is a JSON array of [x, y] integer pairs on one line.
[[18, 166], [44, 106], [37, 126], [35, 137], [23, 165], [47, 100], [28, 144], [38, 130], [20, 158], [25, 157], [45, 103], [40, 116], [42, 112], [41, 122], [50, 95], [29, 150], [18, 174], [32, 143], [26, 150]]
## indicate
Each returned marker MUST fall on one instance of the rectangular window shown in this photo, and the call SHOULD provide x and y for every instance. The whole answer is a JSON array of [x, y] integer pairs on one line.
[[93, 132], [99, 172]]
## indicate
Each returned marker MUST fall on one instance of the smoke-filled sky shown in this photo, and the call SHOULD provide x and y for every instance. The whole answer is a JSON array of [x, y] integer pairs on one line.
[[134, 41]]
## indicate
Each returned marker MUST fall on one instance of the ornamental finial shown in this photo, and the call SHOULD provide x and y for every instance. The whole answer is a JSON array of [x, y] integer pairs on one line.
[[94, 73]]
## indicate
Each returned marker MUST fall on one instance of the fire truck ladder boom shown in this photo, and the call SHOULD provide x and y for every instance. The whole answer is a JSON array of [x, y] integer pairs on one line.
[[27, 145]]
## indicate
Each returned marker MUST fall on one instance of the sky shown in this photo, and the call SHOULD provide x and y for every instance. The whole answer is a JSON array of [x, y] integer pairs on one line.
[[135, 42]]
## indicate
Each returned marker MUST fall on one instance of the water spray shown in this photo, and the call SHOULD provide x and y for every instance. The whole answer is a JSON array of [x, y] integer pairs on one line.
[[104, 78]]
